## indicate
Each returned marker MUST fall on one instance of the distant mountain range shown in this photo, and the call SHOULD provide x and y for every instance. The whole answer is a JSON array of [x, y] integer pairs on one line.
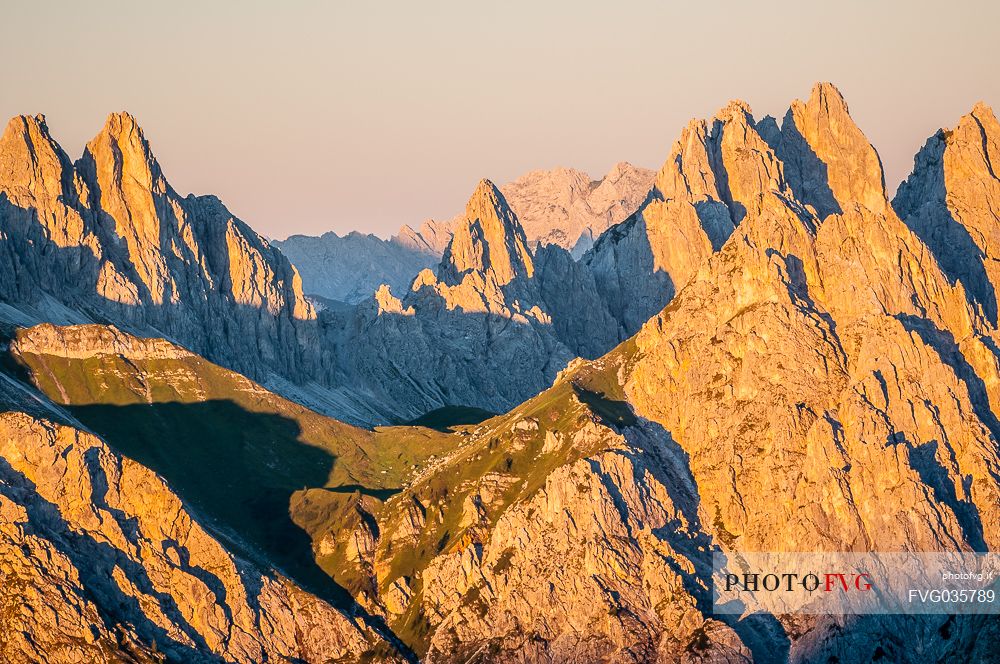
[[562, 206], [760, 352]]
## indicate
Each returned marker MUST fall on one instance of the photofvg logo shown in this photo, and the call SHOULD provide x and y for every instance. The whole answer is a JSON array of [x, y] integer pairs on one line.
[[811, 582], [855, 583]]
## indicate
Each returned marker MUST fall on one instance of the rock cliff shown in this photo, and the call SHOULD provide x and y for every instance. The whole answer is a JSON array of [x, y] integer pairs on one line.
[[490, 327], [952, 201], [102, 563], [107, 238], [820, 382]]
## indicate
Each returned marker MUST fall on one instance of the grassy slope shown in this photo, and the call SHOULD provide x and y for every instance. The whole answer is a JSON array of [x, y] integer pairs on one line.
[[241, 455], [271, 471]]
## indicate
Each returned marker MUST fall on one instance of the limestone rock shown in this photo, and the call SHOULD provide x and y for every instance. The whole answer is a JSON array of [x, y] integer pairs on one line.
[[818, 383], [951, 200], [716, 171], [490, 241], [564, 207], [490, 327], [432, 237], [350, 268], [102, 562], [828, 161], [108, 238]]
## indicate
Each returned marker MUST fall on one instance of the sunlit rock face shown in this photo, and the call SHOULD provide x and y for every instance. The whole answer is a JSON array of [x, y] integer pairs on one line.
[[716, 171], [103, 563], [952, 201], [715, 175], [817, 381]]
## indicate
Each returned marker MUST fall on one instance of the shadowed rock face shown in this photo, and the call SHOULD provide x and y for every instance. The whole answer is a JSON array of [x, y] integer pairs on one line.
[[351, 268], [489, 328], [109, 239]]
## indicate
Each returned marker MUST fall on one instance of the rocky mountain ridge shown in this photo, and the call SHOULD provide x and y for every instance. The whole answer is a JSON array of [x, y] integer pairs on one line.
[[492, 325], [823, 375], [350, 268], [819, 383], [108, 239], [561, 206]]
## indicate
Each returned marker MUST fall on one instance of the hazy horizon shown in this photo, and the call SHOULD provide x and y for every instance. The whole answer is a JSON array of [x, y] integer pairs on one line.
[[308, 118]]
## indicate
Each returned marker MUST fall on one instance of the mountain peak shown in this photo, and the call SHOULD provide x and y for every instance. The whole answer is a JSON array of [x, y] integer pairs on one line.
[[826, 94], [121, 120], [489, 239], [31, 163], [122, 138], [26, 128], [736, 110], [830, 164], [486, 192], [24, 121], [981, 108], [619, 169], [724, 161]]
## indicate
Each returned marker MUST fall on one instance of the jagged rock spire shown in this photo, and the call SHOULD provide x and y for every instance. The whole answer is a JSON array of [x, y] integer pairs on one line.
[[128, 186], [489, 240], [122, 145], [33, 167], [724, 160], [951, 201], [829, 162]]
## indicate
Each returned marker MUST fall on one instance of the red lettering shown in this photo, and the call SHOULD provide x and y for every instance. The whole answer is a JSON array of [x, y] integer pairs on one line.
[[831, 580]]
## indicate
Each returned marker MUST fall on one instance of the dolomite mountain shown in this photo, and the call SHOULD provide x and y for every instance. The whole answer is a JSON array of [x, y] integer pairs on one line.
[[822, 374], [349, 269], [478, 341], [820, 382], [710, 183], [952, 201], [107, 239], [492, 325], [102, 562], [562, 206]]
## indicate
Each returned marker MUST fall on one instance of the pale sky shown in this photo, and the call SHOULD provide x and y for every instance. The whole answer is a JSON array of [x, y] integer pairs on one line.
[[313, 116]]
